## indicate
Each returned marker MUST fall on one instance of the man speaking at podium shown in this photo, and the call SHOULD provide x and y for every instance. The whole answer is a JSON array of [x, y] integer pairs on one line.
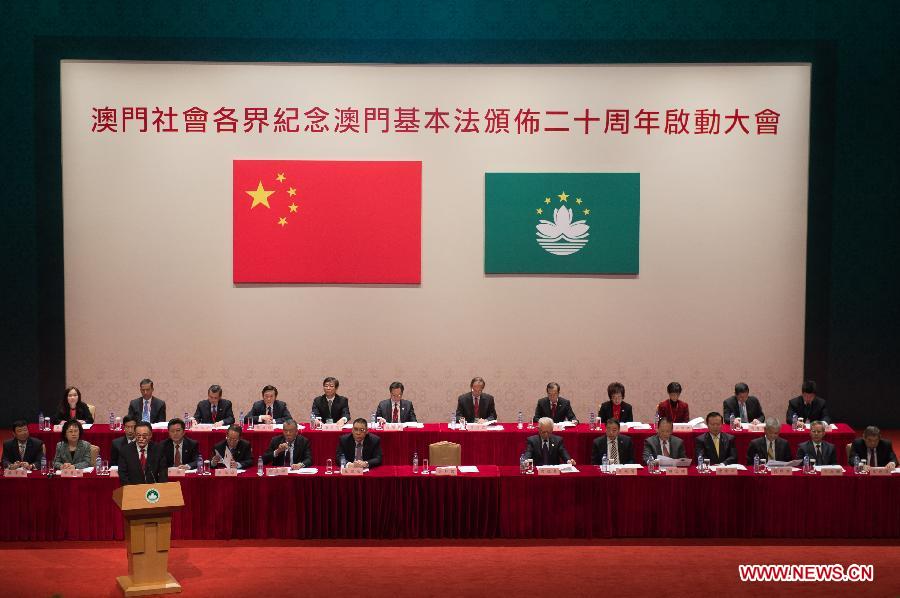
[[142, 461]]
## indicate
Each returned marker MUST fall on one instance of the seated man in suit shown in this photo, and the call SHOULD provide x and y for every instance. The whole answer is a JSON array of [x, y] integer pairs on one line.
[[22, 451], [617, 447], [663, 444], [817, 449], [545, 448], [395, 409], [142, 461], [615, 408], [233, 452], [716, 445], [269, 410], [554, 406], [742, 406], [330, 407], [770, 447], [289, 449], [476, 405], [808, 406], [359, 447], [128, 424], [673, 408], [147, 408], [873, 450], [214, 409], [178, 450]]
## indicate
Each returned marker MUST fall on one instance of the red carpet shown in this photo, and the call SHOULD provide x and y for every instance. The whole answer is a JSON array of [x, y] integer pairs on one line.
[[457, 569]]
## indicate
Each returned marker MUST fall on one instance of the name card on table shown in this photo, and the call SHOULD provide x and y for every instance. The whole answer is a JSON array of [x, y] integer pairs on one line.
[[626, 471], [682, 427], [273, 471], [446, 470], [547, 470], [71, 473], [757, 428], [57, 428], [392, 426], [19, 472], [330, 427], [831, 471], [722, 470], [202, 428], [675, 470], [263, 427], [226, 473], [475, 427], [176, 472], [879, 471], [781, 470], [350, 470]]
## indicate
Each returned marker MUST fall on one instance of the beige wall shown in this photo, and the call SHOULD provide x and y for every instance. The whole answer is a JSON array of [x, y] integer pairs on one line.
[[719, 299]]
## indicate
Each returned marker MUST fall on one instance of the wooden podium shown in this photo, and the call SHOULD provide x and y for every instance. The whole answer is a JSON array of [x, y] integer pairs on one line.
[[148, 512]]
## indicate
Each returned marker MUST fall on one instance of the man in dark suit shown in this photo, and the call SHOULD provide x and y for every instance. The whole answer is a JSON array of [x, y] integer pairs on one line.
[[179, 450], [269, 410], [715, 445], [742, 406], [808, 406], [615, 408], [554, 406], [817, 449], [545, 448], [329, 406], [395, 409], [663, 443], [128, 424], [617, 447], [289, 449], [147, 407], [359, 447], [21, 450], [770, 447], [873, 450], [234, 450], [215, 409], [476, 405], [142, 461]]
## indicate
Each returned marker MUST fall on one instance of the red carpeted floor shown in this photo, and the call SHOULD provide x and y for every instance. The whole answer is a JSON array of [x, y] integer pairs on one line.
[[452, 569]]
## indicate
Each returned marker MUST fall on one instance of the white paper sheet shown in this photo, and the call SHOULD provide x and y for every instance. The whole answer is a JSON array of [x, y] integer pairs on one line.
[[737, 466], [468, 469], [160, 426], [305, 471], [670, 462], [835, 467]]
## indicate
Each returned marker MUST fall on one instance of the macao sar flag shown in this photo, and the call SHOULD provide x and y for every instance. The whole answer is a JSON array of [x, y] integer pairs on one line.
[[308, 221], [561, 223]]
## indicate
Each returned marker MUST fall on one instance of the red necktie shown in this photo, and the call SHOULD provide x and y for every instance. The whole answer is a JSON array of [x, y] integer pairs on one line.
[[177, 455], [476, 407], [665, 449], [214, 413], [396, 417], [143, 461], [553, 411]]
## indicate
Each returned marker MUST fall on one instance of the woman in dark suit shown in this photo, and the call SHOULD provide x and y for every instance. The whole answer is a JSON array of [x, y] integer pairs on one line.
[[616, 407], [72, 407], [72, 452]]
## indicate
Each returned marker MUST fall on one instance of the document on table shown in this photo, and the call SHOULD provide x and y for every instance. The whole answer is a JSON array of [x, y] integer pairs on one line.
[[697, 422], [305, 471], [565, 424], [467, 469], [793, 463], [737, 466], [413, 425], [637, 426], [615, 466], [835, 467], [160, 426], [86, 426], [498, 427], [670, 462]]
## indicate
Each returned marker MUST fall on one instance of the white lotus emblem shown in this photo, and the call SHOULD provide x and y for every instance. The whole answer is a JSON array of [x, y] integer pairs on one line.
[[562, 236]]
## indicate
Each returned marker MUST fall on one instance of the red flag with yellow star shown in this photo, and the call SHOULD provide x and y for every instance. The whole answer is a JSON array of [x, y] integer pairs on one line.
[[304, 221]]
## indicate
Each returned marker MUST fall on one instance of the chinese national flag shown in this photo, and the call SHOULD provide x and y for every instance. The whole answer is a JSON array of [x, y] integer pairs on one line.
[[300, 221]]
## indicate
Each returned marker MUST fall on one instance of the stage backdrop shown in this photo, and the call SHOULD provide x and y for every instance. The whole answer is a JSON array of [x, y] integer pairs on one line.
[[719, 297]]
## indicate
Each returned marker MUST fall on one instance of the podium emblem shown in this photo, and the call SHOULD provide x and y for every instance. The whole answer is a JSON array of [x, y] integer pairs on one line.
[[152, 496]]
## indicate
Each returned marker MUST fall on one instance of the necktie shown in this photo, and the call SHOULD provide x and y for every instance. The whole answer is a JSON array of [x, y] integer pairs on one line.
[[771, 449], [872, 460], [743, 412], [143, 461], [177, 455], [476, 407], [545, 453], [614, 452], [716, 445], [396, 416], [666, 448], [358, 456], [213, 410], [553, 411], [819, 454], [146, 414], [289, 454], [269, 411], [22, 451]]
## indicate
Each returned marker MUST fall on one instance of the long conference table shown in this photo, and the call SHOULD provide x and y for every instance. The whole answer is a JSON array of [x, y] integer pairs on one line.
[[493, 447], [496, 502]]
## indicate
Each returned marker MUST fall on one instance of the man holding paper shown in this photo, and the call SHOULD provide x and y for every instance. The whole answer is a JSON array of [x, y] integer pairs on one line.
[[289, 449], [742, 406], [476, 405], [233, 452], [663, 444], [716, 445], [545, 448], [815, 448], [359, 447], [395, 410], [554, 406], [770, 447], [617, 447]]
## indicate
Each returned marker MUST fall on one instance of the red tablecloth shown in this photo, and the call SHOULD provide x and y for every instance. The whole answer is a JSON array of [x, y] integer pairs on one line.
[[498, 447], [391, 502]]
